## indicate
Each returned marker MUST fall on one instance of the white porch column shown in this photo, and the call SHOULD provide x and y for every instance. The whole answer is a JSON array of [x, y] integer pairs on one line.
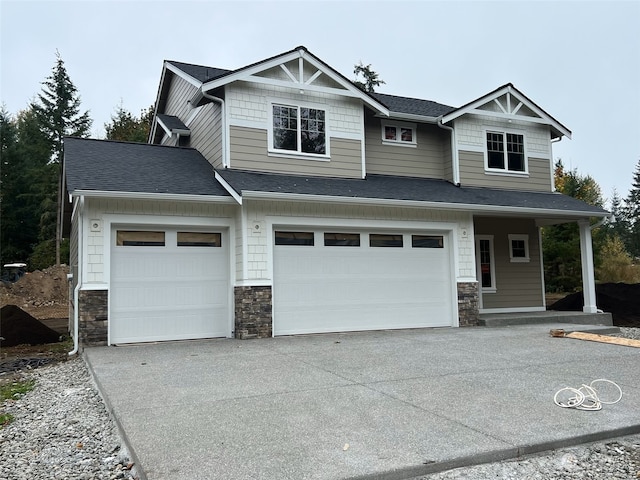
[[588, 273]]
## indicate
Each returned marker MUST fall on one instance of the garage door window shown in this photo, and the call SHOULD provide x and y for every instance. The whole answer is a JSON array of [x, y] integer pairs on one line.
[[294, 238], [427, 241], [341, 239], [384, 240], [199, 239], [137, 238]]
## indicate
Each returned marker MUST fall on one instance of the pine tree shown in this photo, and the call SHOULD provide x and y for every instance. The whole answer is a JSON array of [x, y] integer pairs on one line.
[[632, 214], [371, 78], [58, 112], [619, 227]]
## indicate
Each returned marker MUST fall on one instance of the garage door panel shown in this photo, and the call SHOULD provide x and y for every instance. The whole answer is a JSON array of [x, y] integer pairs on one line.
[[168, 293], [328, 289]]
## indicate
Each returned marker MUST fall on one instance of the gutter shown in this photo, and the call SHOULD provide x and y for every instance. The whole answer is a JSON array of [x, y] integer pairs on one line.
[[467, 207], [224, 143], [76, 291], [152, 196], [454, 152]]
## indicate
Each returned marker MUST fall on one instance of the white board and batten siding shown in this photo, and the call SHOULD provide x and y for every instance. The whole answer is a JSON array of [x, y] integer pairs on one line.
[[320, 288]]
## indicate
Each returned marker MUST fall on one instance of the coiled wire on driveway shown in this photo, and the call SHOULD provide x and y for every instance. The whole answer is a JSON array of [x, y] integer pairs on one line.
[[586, 397]]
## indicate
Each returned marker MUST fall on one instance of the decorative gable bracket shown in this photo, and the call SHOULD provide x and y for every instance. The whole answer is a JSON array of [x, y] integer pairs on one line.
[[507, 102], [302, 71]]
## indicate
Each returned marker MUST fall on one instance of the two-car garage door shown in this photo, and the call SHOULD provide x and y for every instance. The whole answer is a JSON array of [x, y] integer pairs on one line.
[[331, 281], [168, 284]]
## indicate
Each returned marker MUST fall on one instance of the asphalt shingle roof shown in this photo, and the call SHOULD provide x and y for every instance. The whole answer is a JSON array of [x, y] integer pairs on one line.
[[388, 187], [200, 72], [110, 166], [413, 106], [172, 122]]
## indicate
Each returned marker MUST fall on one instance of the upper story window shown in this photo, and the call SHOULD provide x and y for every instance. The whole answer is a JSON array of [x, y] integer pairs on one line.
[[297, 129], [399, 134], [505, 152]]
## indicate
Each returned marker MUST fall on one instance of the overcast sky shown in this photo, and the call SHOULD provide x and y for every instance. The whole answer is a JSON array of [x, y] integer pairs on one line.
[[580, 61]]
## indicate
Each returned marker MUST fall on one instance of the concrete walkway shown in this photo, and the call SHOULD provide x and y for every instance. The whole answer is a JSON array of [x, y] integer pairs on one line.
[[386, 404]]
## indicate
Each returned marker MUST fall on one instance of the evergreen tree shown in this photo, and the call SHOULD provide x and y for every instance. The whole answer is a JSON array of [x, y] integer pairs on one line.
[[58, 111], [632, 214], [561, 243], [27, 178], [619, 227], [128, 128], [371, 78]]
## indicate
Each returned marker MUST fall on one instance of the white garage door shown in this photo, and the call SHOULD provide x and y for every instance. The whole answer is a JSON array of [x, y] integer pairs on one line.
[[333, 281], [168, 284]]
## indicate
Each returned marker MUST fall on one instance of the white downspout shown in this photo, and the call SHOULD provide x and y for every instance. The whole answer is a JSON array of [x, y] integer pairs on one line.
[[76, 291], [454, 151], [223, 136]]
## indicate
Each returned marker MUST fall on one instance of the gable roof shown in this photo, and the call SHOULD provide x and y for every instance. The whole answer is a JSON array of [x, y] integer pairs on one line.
[[388, 190], [511, 91], [110, 166]]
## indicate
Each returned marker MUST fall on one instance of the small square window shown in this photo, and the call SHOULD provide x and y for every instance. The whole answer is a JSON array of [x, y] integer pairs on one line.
[[519, 248], [390, 133], [399, 133]]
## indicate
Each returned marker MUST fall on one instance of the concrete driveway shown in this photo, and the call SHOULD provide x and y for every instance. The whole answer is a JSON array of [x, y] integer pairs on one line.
[[385, 404]]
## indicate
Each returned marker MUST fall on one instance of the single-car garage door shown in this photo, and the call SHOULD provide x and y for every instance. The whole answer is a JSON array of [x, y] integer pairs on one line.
[[340, 280], [168, 284]]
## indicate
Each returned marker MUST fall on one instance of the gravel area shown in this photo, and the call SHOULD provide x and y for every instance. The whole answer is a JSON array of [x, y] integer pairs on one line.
[[62, 430]]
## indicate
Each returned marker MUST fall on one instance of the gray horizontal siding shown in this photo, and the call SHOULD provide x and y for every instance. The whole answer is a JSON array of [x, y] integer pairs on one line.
[[249, 152], [472, 174], [206, 133], [517, 284], [427, 159], [179, 92]]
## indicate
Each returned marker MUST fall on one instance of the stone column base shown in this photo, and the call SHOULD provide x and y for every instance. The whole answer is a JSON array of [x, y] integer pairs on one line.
[[93, 320], [468, 304], [253, 308]]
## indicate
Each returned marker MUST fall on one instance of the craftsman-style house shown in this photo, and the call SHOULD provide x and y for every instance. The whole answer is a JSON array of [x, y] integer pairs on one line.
[[279, 199]]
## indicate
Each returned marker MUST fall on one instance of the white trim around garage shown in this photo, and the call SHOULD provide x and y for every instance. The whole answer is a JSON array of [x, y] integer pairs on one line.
[[150, 221]]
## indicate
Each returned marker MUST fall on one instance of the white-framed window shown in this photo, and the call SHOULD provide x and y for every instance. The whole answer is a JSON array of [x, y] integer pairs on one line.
[[399, 133], [519, 248], [505, 152], [485, 263], [298, 129]]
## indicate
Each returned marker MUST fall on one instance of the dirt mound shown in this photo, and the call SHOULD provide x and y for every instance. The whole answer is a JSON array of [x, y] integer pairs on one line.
[[17, 327], [622, 300], [43, 293]]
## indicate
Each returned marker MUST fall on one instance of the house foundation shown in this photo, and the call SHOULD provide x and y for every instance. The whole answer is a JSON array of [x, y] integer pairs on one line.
[[253, 309]]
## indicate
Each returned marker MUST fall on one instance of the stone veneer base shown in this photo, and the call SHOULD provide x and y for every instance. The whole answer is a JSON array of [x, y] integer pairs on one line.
[[468, 311], [93, 306], [253, 308]]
